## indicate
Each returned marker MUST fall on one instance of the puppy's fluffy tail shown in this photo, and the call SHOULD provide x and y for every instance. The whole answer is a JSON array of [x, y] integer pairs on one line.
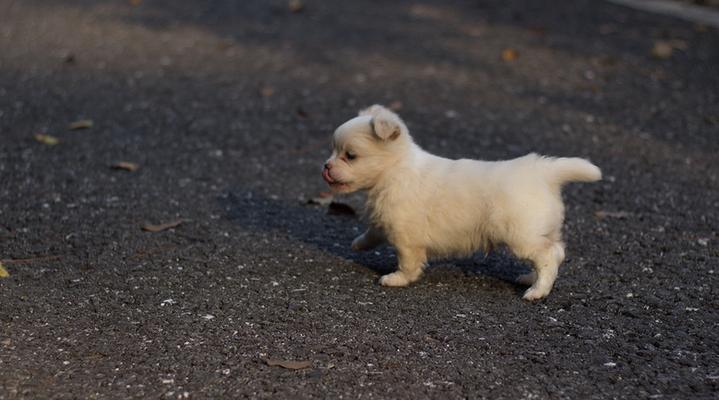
[[574, 170]]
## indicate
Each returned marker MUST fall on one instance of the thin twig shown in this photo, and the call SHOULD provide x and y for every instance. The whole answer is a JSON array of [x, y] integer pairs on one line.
[[28, 260]]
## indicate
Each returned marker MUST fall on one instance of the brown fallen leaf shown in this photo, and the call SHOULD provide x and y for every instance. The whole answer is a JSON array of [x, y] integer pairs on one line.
[[302, 113], [125, 165], [135, 3], [69, 58], [601, 214], [342, 209], [267, 91], [679, 44], [608, 29], [96, 355], [589, 87], [3, 272], [295, 6], [711, 120], [665, 48], [435, 13], [662, 49], [395, 105], [538, 30], [473, 31], [47, 139], [288, 364], [510, 55], [161, 227], [323, 199], [81, 124]]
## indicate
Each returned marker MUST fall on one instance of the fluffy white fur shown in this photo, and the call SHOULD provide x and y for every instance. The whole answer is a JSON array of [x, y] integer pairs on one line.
[[428, 206]]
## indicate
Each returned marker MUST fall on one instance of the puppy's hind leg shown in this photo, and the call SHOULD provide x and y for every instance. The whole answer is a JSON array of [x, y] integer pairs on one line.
[[546, 266], [411, 263]]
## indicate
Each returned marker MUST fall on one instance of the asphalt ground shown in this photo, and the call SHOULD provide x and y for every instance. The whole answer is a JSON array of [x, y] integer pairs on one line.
[[227, 108]]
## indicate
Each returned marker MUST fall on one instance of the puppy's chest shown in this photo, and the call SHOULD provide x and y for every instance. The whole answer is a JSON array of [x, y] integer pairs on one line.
[[395, 219]]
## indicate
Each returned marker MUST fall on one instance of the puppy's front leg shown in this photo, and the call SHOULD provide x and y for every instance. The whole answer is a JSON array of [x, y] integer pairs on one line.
[[372, 238], [411, 263]]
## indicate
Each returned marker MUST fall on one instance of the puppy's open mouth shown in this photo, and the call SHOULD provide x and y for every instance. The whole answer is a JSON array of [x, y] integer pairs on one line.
[[332, 181]]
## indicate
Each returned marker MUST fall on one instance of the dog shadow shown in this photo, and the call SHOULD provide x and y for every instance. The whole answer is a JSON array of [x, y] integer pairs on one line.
[[315, 227]]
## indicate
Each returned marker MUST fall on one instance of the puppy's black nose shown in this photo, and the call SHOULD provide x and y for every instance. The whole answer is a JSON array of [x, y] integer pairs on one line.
[[327, 165]]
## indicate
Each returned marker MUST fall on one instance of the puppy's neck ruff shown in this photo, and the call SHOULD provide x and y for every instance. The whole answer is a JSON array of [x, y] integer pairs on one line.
[[400, 183]]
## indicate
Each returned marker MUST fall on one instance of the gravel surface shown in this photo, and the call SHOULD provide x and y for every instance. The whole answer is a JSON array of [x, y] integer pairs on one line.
[[227, 108]]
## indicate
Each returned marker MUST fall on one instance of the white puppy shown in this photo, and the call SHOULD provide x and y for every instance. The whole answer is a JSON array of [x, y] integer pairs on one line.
[[428, 206]]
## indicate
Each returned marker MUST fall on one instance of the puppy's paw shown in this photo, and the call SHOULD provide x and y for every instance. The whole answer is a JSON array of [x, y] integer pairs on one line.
[[534, 293], [395, 279], [527, 279]]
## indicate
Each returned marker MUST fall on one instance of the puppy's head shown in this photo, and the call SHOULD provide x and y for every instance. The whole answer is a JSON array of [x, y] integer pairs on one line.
[[363, 148]]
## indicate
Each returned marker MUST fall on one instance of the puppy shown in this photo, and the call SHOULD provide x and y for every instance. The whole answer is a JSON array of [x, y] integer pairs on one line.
[[429, 207]]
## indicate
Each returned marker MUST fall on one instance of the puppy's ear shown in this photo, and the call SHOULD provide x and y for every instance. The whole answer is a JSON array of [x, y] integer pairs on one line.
[[385, 124]]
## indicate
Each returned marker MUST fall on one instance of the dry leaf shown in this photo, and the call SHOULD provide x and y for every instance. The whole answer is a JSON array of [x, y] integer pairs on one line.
[[161, 227], [47, 139], [96, 355], [267, 91], [608, 29], [662, 49], [538, 30], [288, 364], [81, 124], [69, 58], [302, 113], [295, 6], [336, 208], [323, 199], [395, 105], [436, 13], [612, 214], [135, 2], [3, 272], [510, 54], [473, 31], [125, 165]]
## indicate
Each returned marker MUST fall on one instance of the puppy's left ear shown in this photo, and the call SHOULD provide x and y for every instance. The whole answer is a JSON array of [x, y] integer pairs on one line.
[[386, 125]]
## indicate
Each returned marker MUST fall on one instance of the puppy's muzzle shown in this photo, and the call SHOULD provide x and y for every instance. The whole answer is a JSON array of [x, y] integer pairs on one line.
[[326, 175]]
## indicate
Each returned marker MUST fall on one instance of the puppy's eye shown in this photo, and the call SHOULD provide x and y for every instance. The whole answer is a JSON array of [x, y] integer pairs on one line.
[[350, 156]]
